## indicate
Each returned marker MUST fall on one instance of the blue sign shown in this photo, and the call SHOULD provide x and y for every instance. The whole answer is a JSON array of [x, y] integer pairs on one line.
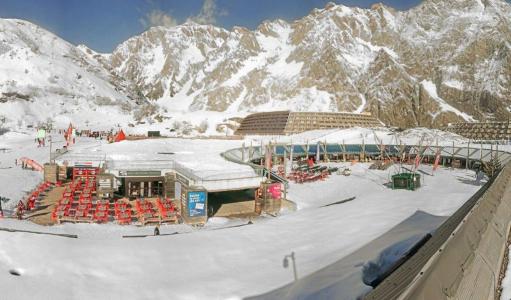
[[196, 204]]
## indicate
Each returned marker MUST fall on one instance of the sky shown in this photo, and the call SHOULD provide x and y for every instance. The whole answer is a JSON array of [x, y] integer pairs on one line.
[[104, 24]]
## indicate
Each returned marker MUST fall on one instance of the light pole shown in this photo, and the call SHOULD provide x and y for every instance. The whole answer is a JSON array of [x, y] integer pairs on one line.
[[286, 263], [51, 141]]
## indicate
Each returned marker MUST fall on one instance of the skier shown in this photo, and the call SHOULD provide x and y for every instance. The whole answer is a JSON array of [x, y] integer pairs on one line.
[[157, 230]]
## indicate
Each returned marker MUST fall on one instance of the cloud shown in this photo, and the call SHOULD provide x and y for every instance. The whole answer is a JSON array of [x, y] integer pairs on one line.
[[208, 13], [158, 18]]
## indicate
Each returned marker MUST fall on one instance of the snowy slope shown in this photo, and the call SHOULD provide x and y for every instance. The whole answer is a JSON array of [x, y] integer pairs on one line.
[[42, 78]]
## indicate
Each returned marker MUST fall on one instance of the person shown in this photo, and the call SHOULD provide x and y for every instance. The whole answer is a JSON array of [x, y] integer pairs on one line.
[[1, 210], [19, 211], [157, 230]]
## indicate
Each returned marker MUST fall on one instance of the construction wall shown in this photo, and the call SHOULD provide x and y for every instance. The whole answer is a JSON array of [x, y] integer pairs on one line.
[[264, 123], [285, 122], [483, 130], [303, 121]]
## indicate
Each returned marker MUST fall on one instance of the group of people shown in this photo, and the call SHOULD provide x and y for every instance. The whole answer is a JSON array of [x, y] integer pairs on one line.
[[24, 164]]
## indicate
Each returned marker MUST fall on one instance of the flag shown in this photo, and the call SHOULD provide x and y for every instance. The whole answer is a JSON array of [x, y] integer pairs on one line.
[[437, 161]]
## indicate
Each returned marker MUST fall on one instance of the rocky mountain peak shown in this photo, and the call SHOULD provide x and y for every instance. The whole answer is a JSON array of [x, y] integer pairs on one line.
[[439, 62]]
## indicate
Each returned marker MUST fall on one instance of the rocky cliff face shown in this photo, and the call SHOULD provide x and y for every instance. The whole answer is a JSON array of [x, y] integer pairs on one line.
[[440, 62], [336, 59]]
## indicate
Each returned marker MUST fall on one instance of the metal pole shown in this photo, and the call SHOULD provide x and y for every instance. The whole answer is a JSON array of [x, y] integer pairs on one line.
[[497, 151], [294, 266], [243, 152], [291, 156], [318, 145], [51, 141], [468, 155], [452, 156], [343, 151], [481, 152]]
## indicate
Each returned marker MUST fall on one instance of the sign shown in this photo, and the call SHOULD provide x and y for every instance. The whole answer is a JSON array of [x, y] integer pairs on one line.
[[197, 204], [141, 173], [183, 179], [274, 190]]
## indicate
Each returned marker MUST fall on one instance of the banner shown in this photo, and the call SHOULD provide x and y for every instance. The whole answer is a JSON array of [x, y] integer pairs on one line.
[[196, 204], [275, 190], [417, 161], [437, 161]]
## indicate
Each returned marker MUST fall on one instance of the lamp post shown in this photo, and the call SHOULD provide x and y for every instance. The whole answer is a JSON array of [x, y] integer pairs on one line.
[[286, 263], [51, 141]]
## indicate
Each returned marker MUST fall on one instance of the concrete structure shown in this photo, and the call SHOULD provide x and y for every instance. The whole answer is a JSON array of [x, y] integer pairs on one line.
[[482, 130], [286, 122]]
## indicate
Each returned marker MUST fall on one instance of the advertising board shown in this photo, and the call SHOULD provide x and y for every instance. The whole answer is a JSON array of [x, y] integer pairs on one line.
[[197, 203]]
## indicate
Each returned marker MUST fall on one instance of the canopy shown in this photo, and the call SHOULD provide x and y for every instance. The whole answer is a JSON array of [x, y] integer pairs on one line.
[[120, 136]]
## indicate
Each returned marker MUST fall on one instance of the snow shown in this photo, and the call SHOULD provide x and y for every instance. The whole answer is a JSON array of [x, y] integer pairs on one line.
[[444, 106], [210, 263], [454, 84], [307, 99], [157, 61], [273, 58]]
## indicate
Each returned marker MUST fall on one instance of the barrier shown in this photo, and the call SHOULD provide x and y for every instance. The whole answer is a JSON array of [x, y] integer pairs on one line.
[[32, 163]]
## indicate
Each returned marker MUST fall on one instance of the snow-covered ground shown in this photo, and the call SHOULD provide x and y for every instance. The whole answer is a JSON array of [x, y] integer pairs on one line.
[[204, 263], [17, 182]]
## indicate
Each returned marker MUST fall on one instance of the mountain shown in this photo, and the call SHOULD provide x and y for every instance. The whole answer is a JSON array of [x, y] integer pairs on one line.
[[46, 79], [439, 62]]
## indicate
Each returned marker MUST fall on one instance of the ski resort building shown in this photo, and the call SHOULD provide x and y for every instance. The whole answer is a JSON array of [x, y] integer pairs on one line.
[[287, 122], [482, 130]]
